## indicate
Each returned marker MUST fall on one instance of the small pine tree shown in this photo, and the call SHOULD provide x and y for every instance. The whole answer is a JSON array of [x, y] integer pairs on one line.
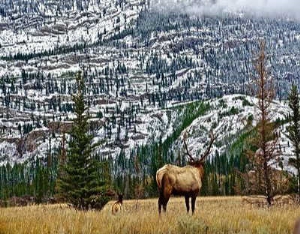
[[294, 131], [84, 180]]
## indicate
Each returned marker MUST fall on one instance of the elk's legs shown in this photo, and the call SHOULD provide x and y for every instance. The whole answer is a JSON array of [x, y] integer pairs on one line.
[[193, 203], [162, 202], [159, 205], [187, 203]]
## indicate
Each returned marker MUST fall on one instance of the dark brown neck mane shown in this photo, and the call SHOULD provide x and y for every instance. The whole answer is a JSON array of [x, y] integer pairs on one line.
[[199, 165], [120, 198]]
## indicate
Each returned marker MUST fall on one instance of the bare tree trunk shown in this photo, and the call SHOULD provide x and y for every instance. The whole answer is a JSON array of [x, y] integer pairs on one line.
[[262, 80], [266, 139]]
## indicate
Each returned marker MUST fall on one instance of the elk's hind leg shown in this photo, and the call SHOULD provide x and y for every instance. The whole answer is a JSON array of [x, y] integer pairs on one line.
[[159, 205], [160, 202], [163, 201], [187, 203]]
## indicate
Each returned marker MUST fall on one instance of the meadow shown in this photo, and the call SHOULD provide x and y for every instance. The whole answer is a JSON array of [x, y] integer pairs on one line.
[[213, 215]]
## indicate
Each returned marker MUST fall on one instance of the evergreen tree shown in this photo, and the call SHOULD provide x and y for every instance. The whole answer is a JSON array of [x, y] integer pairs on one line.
[[84, 180], [294, 131]]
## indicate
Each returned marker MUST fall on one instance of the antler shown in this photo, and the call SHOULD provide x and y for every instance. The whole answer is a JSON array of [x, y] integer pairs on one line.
[[186, 147], [207, 152]]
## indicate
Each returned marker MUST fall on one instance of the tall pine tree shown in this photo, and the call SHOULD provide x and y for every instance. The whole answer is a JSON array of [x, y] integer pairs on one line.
[[264, 151], [84, 180], [294, 131]]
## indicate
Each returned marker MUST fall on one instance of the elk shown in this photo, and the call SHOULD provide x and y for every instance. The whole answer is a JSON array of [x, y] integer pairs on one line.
[[117, 206], [184, 181], [254, 201], [283, 200]]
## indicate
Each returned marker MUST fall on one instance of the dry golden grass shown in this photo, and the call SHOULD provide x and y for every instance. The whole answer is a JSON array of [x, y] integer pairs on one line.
[[213, 215]]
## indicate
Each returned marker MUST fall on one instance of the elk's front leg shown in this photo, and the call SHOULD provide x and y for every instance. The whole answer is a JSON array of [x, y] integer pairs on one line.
[[187, 203], [193, 203]]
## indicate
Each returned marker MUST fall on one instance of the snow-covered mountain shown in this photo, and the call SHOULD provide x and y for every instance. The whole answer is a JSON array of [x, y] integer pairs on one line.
[[141, 67], [38, 26], [228, 117]]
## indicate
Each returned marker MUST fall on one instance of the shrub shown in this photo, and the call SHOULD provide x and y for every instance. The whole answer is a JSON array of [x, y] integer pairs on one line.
[[188, 224]]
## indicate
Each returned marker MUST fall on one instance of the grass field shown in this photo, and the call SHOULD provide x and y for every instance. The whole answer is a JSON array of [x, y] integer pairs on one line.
[[213, 215]]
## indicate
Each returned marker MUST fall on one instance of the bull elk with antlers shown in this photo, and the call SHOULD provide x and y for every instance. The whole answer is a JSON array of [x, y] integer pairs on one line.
[[185, 181]]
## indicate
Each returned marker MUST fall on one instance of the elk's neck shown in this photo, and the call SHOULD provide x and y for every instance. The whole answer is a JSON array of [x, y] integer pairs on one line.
[[201, 171]]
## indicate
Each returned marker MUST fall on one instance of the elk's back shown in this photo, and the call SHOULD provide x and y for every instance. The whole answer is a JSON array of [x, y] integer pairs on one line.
[[182, 179]]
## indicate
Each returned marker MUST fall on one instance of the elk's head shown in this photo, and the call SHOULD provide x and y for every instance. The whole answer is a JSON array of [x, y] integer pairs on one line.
[[195, 162], [120, 198]]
